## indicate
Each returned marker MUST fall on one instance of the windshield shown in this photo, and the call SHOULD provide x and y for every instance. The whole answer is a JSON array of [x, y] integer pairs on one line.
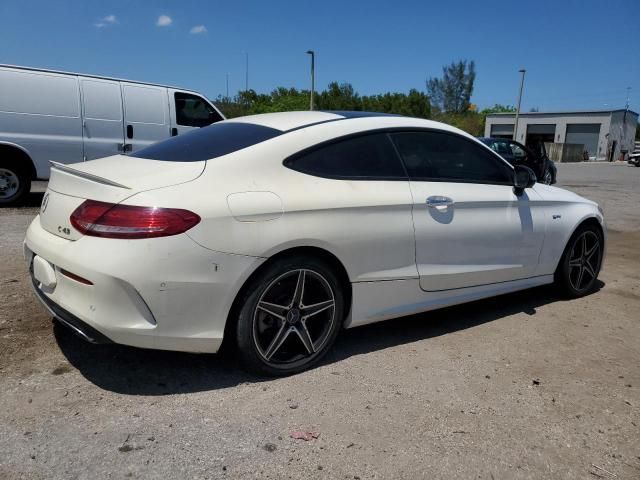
[[208, 142]]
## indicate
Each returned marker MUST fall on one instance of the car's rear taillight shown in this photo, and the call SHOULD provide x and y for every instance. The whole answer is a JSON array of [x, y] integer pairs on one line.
[[109, 220]]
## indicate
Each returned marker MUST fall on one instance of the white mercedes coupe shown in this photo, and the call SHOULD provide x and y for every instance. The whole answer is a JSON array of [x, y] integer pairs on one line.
[[273, 232]]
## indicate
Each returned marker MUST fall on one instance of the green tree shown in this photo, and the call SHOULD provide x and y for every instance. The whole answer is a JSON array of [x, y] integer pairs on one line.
[[452, 93], [470, 122], [339, 97], [415, 104], [497, 108]]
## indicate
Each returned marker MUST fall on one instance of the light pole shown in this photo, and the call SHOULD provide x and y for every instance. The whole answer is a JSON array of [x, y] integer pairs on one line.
[[227, 87], [246, 72], [515, 127], [313, 76]]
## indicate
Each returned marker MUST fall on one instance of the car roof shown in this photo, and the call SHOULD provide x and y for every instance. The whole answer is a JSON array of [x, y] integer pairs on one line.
[[290, 121], [286, 121]]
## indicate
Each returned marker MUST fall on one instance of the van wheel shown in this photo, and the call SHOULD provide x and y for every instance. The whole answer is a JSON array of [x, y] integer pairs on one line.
[[15, 184]]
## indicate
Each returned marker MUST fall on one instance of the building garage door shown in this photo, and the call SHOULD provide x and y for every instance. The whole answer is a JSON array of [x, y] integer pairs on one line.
[[502, 130], [586, 134], [538, 133]]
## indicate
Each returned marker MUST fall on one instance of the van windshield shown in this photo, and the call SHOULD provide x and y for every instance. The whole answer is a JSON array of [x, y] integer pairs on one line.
[[207, 143]]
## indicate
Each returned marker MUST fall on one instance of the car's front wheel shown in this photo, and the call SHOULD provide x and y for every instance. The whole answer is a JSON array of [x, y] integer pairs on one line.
[[580, 265], [290, 316], [547, 178]]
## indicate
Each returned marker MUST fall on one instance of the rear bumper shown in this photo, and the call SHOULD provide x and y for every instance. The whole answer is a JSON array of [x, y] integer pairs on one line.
[[165, 293], [77, 326]]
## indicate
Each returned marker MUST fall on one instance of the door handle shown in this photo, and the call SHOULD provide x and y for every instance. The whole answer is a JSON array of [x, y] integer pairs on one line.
[[438, 201], [129, 131]]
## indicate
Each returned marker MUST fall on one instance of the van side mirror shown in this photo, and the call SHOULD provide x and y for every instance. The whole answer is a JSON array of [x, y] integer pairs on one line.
[[523, 177]]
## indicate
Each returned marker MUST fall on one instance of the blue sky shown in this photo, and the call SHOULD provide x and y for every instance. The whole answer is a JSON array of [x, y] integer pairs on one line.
[[579, 54]]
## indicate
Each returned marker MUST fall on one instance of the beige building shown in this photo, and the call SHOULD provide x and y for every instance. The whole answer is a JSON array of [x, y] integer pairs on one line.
[[605, 134]]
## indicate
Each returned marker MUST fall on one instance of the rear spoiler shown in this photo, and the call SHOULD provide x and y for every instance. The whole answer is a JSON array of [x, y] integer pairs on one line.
[[88, 176]]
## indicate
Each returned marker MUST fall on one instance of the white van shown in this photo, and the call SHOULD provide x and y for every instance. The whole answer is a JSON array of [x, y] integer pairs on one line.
[[69, 117]]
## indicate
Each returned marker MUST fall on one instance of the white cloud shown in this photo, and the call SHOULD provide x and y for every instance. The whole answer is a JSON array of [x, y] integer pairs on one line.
[[198, 29], [106, 21], [164, 21]]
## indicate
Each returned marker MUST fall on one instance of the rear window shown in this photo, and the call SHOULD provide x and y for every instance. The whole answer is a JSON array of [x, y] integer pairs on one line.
[[366, 157], [209, 142]]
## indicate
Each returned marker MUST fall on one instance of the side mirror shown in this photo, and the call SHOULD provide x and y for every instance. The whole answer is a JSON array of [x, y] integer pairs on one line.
[[523, 177]]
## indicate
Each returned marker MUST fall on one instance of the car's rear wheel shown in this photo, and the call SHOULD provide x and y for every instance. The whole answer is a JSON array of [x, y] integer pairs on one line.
[[15, 183], [547, 178], [581, 261], [290, 316]]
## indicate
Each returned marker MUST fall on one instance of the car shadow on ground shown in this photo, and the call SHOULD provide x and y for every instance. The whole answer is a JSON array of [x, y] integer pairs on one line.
[[134, 371], [32, 199]]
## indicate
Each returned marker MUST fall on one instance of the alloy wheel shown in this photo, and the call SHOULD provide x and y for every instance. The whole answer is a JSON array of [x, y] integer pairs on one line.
[[584, 261], [294, 317]]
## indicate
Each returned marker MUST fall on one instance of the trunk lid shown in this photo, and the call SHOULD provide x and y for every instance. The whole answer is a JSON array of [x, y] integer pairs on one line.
[[111, 179]]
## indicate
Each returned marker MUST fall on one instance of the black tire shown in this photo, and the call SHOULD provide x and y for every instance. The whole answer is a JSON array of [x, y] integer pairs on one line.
[[267, 316], [15, 183], [577, 272], [547, 178]]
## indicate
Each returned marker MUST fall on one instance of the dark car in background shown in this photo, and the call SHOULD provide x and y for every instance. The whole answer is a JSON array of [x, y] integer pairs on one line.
[[517, 154]]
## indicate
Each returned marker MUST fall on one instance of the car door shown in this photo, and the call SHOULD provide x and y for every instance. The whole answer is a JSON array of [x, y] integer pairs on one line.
[[502, 148], [355, 190], [470, 226], [146, 115], [189, 111], [519, 153], [102, 119], [529, 158]]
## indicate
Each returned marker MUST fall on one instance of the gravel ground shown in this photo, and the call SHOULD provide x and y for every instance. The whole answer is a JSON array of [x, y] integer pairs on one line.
[[523, 386]]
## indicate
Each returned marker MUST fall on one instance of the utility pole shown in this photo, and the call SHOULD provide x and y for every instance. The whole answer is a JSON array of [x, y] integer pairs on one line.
[[515, 127], [246, 72], [624, 125], [227, 97], [313, 77]]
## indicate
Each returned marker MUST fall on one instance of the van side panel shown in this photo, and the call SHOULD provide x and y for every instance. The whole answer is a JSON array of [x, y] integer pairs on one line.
[[41, 113], [146, 114], [103, 117]]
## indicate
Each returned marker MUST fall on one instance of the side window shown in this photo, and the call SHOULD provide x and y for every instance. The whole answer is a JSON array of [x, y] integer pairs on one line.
[[501, 147], [194, 111], [518, 152], [363, 157], [449, 157]]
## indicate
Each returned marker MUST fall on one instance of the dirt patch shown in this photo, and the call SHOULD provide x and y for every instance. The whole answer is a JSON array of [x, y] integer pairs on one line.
[[61, 370]]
